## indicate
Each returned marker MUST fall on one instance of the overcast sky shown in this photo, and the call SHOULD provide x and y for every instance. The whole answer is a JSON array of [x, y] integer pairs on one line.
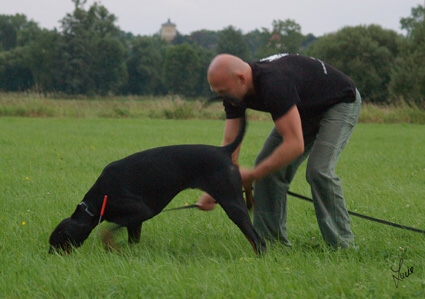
[[145, 17]]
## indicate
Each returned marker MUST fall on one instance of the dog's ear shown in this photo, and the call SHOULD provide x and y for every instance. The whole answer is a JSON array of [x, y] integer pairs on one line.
[[67, 235]]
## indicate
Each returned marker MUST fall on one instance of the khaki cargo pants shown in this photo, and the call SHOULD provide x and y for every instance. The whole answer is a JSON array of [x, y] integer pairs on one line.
[[324, 139]]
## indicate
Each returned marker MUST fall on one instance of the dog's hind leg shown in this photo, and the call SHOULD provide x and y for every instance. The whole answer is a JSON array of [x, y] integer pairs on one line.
[[232, 202], [134, 232], [239, 215]]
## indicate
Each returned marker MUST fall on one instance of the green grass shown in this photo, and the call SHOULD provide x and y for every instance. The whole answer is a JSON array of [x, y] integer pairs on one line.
[[168, 107], [47, 165]]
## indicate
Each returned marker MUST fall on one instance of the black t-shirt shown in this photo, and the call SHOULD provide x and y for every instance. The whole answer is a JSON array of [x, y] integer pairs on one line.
[[284, 80]]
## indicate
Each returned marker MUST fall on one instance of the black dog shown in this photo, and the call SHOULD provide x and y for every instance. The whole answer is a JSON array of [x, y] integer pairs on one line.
[[141, 185]]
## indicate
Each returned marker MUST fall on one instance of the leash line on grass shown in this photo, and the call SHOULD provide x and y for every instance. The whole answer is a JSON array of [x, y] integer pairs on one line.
[[393, 224], [182, 208]]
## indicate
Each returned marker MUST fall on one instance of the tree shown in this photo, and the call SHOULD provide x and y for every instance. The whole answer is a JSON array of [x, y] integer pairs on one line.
[[15, 33], [254, 41], [181, 70], [205, 56], [10, 29], [15, 75], [204, 43], [231, 41], [144, 66], [110, 70], [285, 37], [92, 61], [408, 73], [365, 53], [42, 56], [205, 38], [308, 39]]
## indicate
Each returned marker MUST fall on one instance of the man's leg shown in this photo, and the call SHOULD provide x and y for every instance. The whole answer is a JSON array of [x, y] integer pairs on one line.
[[334, 132], [270, 194]]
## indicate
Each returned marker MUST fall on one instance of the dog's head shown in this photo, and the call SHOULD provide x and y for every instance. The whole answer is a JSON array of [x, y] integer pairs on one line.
[[67, 235]]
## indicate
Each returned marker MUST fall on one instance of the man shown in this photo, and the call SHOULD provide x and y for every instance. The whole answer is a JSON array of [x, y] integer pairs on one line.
[[314, 108]]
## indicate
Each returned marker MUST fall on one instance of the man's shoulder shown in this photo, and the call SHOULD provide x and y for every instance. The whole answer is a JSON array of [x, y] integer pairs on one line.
[[282, 63]]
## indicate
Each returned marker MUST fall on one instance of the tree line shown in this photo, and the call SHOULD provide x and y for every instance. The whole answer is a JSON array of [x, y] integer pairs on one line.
[[90, 55]]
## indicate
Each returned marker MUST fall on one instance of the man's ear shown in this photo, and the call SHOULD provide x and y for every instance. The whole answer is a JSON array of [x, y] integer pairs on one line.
[[241, 78]]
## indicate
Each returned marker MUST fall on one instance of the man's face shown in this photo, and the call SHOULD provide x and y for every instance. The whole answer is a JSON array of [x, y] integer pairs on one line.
[[227, 86]]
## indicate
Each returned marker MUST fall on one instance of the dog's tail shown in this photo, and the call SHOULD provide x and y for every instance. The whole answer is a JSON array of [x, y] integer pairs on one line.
[[231, 147]]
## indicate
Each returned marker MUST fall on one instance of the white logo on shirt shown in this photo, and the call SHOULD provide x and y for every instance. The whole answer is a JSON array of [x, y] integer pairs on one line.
[[274, 57], [323, 65], [277, 56]]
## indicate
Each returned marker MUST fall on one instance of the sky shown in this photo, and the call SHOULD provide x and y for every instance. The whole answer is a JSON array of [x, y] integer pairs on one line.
[[144, 17]]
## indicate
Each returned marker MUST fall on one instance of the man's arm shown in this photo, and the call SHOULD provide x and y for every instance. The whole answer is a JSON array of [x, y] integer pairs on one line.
[[290, 128]]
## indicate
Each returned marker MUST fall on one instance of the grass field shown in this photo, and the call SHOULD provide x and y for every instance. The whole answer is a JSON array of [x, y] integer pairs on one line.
[[168, 107], [47, 165]]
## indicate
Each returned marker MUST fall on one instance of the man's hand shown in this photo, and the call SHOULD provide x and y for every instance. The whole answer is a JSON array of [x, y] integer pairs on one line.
[[247, 181], [247, 178], [206, 202]]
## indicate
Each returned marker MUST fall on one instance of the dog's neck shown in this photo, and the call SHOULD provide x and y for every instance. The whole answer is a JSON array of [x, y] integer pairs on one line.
[[86, 214], [86, 208]]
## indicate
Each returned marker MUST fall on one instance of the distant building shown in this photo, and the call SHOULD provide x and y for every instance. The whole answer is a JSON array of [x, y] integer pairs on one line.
[[168, 31]]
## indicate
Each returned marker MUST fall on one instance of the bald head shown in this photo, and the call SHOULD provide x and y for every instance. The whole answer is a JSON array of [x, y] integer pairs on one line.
[[227, 74], [226, 64]]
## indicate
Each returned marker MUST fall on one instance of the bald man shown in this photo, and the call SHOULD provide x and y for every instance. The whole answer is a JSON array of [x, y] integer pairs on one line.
[[314, 108]]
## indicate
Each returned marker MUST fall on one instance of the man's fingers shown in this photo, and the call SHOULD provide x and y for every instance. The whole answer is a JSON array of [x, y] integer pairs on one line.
[[248, 198]]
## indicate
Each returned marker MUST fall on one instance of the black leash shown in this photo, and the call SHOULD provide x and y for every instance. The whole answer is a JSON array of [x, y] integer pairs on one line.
[[366, 217], [393, 224], [182, 208]]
